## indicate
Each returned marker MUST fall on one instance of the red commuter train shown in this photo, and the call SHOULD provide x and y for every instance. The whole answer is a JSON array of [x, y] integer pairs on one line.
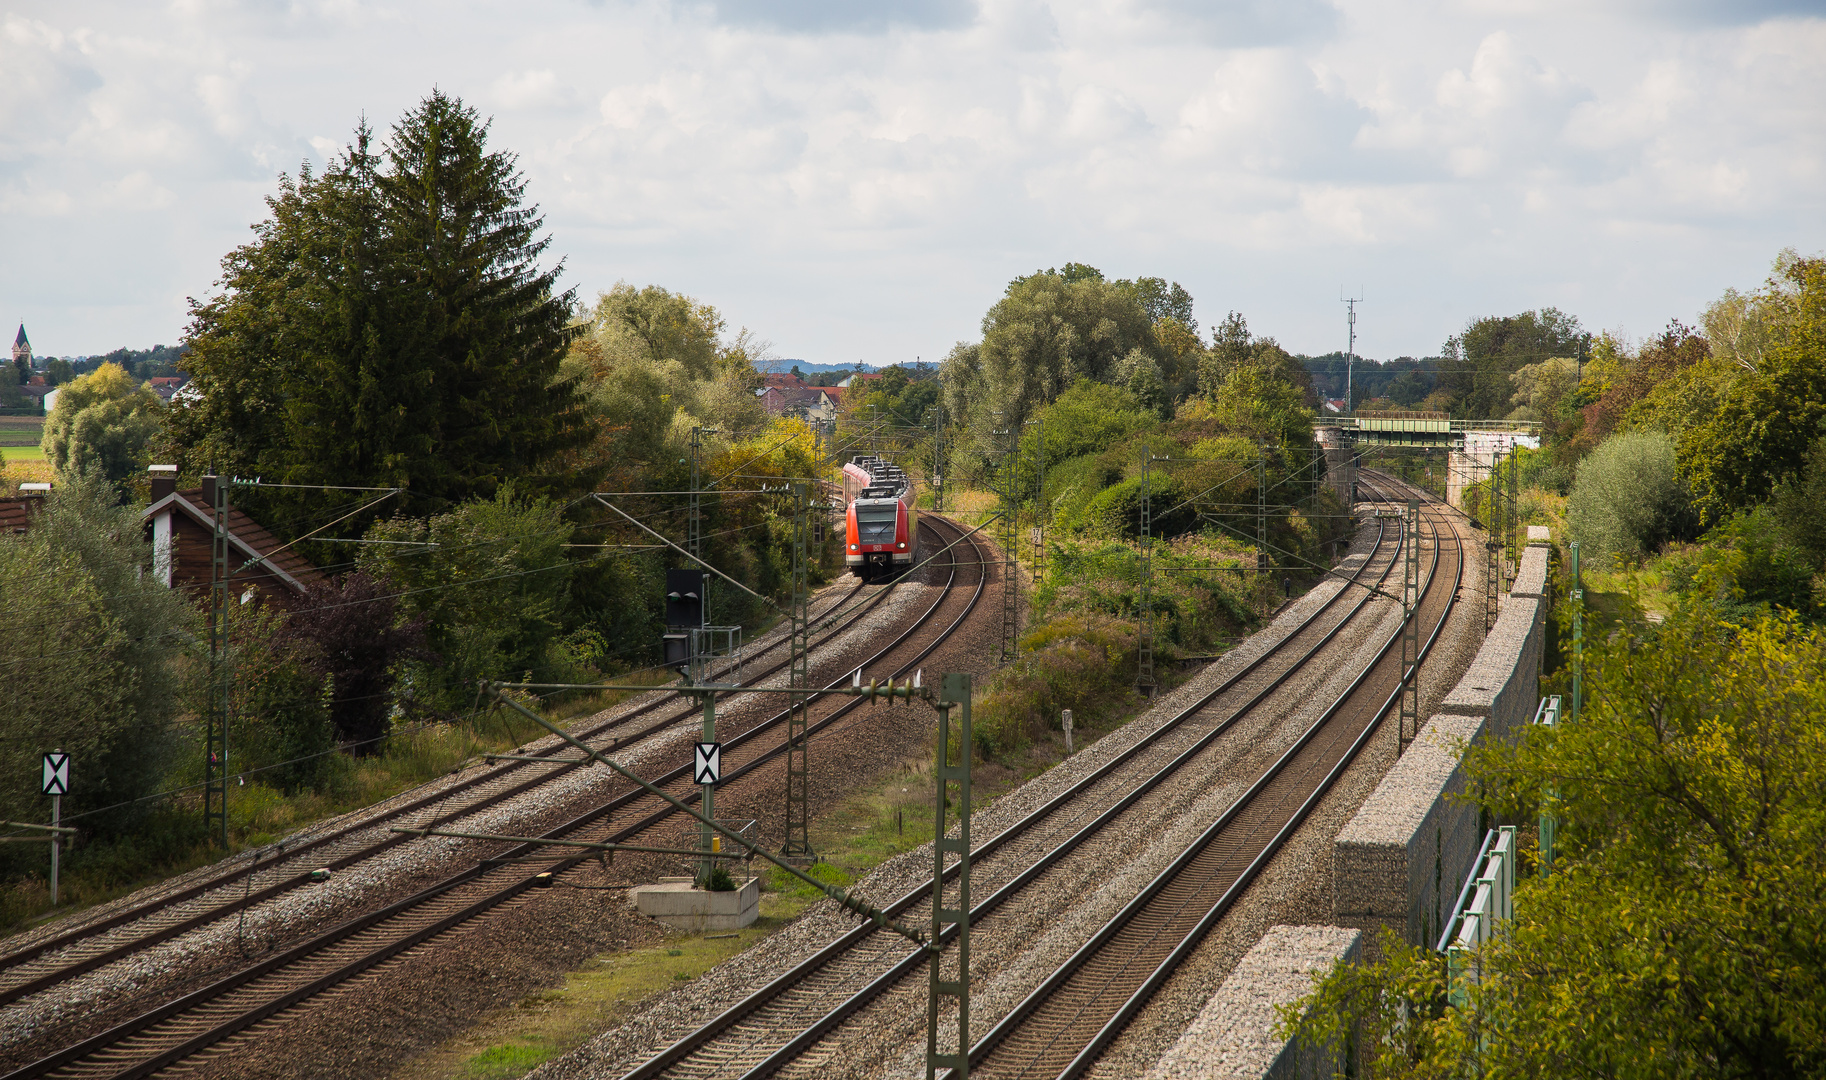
[[883, 527]]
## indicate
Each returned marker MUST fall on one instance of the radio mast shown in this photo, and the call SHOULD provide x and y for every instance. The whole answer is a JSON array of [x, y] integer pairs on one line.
[[1350, 353]]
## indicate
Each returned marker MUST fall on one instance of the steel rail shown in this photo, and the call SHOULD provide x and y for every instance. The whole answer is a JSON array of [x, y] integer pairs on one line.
[[702, 1036], [104, 1041], [292, 853], [1131, 914]]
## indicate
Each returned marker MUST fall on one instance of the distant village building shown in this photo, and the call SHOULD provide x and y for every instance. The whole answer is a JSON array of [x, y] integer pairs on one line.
[[167, 385], [22, 347], [860, 380], [16, 513], [786, 394]]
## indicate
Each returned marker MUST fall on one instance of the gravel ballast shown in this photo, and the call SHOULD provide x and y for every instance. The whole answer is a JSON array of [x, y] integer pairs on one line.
[[1022, 941]]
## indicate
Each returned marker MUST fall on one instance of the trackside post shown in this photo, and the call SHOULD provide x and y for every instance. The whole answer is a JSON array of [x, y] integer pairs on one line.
[[956, 694]]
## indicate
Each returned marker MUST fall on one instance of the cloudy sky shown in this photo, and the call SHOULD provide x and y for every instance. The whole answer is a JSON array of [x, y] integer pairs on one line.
[[859, 180]]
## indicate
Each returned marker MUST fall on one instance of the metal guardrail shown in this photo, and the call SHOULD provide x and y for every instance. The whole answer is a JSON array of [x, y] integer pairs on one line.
[[1487, 900], [1485, 903], [1548, 715]]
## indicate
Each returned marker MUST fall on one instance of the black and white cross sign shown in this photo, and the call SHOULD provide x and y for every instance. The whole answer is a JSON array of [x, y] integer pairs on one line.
[[707, 763], [57, 773]]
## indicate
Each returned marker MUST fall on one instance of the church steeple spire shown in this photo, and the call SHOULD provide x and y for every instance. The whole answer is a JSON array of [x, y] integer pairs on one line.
[[22, 348]]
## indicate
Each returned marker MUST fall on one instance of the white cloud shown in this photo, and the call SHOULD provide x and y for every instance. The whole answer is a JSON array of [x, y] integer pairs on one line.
[[860, 181]]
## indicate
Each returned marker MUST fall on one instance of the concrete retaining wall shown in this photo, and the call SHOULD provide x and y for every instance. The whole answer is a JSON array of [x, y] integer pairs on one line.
[[1399, 861], [1503, 682], [1531, 575], [1233, 1037]]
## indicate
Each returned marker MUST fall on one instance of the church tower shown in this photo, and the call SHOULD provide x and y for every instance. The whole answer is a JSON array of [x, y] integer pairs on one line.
[[22, 349]]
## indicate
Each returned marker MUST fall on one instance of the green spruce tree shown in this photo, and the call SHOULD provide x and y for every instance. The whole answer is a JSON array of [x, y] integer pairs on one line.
[[390, 326]]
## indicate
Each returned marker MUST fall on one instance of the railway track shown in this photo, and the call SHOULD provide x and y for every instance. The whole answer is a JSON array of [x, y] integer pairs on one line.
[[1061, 1027], [779, 1027], [221, 1010], [44, 963]]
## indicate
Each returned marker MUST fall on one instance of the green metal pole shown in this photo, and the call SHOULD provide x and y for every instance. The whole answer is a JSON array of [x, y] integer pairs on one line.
[[1578, 638], [957, 690], [706, 842]]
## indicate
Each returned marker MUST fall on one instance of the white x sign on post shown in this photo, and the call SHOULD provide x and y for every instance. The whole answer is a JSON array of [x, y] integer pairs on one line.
[[707, 763], [57, 773]]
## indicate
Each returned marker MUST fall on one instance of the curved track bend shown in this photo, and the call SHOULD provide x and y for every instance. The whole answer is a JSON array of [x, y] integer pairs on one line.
[[779, 1027]]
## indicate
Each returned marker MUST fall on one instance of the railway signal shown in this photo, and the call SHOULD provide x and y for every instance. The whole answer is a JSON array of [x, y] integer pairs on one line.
[[56, 785], [56, 774], [707, 763]]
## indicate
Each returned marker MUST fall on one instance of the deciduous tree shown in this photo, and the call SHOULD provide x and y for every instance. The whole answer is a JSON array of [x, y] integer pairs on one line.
[[103, 421]]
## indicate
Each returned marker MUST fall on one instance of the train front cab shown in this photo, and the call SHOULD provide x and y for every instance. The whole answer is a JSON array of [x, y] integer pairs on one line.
[[879, 541]]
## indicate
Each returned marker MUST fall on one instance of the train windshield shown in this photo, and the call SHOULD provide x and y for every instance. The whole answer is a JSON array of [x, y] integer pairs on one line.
[[875, 524]]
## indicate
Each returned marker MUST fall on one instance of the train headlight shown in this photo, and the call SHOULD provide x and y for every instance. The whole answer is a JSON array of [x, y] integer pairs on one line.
[[903, 543], [852, 547]]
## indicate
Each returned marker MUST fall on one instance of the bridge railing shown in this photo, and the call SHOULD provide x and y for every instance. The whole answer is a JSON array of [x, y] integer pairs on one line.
[[1405, 423]]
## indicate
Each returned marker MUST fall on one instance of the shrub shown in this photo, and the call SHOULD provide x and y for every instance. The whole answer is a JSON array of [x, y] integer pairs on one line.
[[490, 581], [1078, 662], [350, 636], [1116, 510], [1745, 567], [92, 646], [1627, 499]]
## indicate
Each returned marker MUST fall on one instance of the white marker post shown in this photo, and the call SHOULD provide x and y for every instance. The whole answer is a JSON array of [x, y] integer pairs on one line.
[[56, 782], [1066, 718]]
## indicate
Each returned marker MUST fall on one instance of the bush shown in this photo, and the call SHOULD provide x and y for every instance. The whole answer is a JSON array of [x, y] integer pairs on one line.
[[1744, 568], [490, 581], [1078, 662], [93, 648], [349, 635], [1627, 499], [1116, 510]]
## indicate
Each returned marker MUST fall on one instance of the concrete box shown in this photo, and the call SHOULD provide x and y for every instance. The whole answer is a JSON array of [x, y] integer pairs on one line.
[[678, 905], [1233, 1037]]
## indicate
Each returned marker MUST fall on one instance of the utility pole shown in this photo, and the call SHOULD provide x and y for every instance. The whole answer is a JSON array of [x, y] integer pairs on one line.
[[215, 739], [1578, 636], [1407, 726], [938, 459], [1039, 502], [1512, 519], [1261, 525], [1350, 352], [1011, 585], [798, 844], [1144, 602], [694, 530], [1493, 584], [694, 526], [957, 913]]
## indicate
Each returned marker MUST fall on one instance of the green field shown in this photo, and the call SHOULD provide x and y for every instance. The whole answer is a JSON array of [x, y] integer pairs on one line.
[[21, 453]]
